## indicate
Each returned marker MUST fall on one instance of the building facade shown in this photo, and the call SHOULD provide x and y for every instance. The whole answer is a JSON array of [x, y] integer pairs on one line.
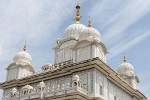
[[80, 71]]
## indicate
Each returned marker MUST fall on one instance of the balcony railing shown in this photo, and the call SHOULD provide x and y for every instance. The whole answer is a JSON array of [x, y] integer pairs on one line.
[[48, 93]]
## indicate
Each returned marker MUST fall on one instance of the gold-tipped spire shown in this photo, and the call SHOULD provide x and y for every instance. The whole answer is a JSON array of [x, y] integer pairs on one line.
[[89, 22], [78, 12], [25, 46], [124, 59]]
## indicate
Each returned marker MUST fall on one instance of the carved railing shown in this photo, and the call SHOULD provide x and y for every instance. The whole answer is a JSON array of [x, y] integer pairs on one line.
[[48, 92]]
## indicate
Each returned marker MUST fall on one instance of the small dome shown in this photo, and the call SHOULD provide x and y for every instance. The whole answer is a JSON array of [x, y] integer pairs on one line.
[[47, 66], [14, 90], [23, 56], [125, 69], [76, 78], [90, 33], [41, 85], [27, 87], [74, 30]]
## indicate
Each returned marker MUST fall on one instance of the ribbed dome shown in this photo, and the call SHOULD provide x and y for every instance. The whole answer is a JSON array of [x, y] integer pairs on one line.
[[90, 33], [14, 90], [76, 78], [23, 57], [27, 87], [125, 69], [41, 85], [47, 66], [74, 30]]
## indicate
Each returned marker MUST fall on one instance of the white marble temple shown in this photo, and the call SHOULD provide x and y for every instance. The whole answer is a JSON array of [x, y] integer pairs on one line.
[[80, 71]]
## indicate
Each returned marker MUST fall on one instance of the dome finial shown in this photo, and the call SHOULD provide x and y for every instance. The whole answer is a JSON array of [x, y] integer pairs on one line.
[[124, 58], [25, 46], [89, 22], [78, 12]]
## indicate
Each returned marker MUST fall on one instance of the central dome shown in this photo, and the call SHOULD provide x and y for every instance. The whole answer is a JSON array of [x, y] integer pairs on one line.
[[74, 30]]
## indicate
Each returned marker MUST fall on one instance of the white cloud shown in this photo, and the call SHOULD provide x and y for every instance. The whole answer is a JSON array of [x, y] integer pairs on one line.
[[30, 18], [117, 16], [31, 21], [123, 46], [123, 19]]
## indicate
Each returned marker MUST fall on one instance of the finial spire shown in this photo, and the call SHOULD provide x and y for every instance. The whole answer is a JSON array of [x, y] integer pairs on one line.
[[124, 58], [25, 46], [78, 12], [89, 22]]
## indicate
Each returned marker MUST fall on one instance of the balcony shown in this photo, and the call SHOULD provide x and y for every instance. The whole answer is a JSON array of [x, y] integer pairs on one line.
[[47, 93]]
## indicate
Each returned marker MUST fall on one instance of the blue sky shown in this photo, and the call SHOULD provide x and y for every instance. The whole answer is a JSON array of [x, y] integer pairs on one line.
[[123, 24]]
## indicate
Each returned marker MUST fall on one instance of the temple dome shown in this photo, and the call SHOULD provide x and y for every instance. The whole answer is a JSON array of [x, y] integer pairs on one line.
[[23, 56], [27, 87], [41, 85], [74, 30], [47, 66], [90, 33], [14, 91], [76, 78], [125, 69]]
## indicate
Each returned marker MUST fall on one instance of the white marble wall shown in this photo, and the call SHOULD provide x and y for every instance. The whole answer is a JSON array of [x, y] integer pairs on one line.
[[12, 74], [64, 52], [23, 72], [79, 51], [100, 53], [57, 84], [91, 81], [17, 72], [110, 90], [133, 82], [114, 90], [83, 53], [86, 50]]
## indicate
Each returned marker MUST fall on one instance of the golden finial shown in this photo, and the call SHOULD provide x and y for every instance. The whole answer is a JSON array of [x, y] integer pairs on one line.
[[78, 12], [124, 58], [89, 22], [25, 46]]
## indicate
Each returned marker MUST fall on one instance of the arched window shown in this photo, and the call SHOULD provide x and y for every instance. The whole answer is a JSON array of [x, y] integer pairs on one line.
[[75, 83]]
